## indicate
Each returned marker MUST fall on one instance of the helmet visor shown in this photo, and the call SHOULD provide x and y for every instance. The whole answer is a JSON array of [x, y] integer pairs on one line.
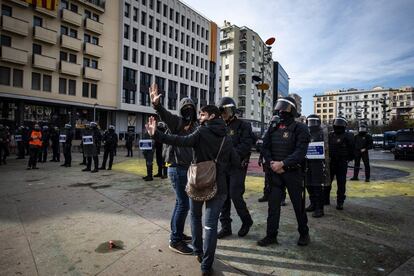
[[312, 122], [284, 105], [340, 122]]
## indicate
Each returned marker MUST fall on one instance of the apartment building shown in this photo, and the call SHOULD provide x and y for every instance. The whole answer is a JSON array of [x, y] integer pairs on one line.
[[59, 65], [324, 105], [402, 103], [280, 81], [171, 44], [244, 55]]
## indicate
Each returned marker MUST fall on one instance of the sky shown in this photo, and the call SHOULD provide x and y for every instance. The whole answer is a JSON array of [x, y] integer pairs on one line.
[[329, 44]]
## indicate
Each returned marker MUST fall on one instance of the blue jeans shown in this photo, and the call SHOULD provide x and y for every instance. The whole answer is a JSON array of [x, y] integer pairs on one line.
[[178, 178], [213, 208]]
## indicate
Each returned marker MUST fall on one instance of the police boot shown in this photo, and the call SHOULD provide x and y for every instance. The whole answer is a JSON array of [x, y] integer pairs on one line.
[[96, 164], [264, 198], [159, 174], [340, 206], [164, 173], [318, 213], [245, 228], [304, 239], [267, 241], [149, 174], [224, 232], [310, 208]]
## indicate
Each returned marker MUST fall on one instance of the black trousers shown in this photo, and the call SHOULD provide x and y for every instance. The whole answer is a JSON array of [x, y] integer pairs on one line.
[[111, 154], [3, 152], [316, 196], [129, 150], [236, 188], [55, 150], [95, 162], [67, 153], [365, 158], [266, 189], [43, 153], [20, 150], [149, 160], [338, 168], [34, 155], [293, 181]]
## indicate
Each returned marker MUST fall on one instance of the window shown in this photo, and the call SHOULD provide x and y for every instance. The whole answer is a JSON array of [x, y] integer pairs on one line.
[[47, 83], [163, 65], [171, 14], [94, 90], [36, 81], [74, 8], [157, 44], [85, 90], [37, 21], [72, 87], [150, 39], [94, 64], [4, 75], [5, 40], [164, 28], [72, 58], [134, 55], [62, 86], [127, 9], [158, 6], [17, 78], [177, 17], [126, 31], [134, 34], [145, 80], [135, 16], [157, 25], [143, 36], [149, 61], [6, 10], [73, 33], [150, 22], [37, 49], [126, 52], [157, 63], [142, 59], [165, 10], [143, 18]]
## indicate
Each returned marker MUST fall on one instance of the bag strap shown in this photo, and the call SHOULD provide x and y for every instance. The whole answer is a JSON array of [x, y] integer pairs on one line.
[[221, 146]]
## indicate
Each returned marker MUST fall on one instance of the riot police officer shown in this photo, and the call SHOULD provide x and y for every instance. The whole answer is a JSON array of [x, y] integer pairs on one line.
[[162, 169], [149, 158], [45, 144], [363, 143], [129, 141], [243, 139], [54, 137], [284, 149], [341, 148], [18, 137], [316, 169], [110, 140], [91, 146], [66, 139]]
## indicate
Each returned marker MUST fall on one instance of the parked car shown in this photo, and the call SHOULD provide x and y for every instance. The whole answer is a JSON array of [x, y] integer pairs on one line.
[[404, 143], [378, 141], [389, 140]]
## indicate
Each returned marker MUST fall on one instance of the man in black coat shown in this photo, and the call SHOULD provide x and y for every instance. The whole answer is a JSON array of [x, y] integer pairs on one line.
[[129, 141], [206, 142], [54, 137], [341, 151], [284, 149], [243, 139], [110, 140], [363, 143], [45, 144], [66, 139]]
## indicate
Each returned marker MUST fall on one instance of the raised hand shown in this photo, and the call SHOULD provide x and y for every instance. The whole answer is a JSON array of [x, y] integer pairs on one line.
[[151, 126], [153, 91]]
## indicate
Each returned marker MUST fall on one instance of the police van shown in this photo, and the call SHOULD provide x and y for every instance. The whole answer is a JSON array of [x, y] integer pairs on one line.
[[404, 143], [378, 141]]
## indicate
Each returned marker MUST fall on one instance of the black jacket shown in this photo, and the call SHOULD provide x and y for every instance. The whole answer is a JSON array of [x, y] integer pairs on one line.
[[363, 142], [242, 137], [177, 156], [206, 141]]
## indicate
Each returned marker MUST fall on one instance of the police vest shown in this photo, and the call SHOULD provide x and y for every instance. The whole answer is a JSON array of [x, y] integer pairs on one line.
[[36, 138], [283, 142], [338, 146]]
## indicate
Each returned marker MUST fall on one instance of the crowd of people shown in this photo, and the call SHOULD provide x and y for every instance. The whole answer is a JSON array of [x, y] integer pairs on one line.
[[182, 141]]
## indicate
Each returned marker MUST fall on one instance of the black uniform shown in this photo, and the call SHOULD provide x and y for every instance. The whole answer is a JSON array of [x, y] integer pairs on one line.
[[67, 147], [162, 169], [54, 137], [243, 139], [110, 140], [149, 157], [287, 143], [19, 136], [363, 141], [3, 144], [341, 148], [91, 151], [316, 176], [129, 141]]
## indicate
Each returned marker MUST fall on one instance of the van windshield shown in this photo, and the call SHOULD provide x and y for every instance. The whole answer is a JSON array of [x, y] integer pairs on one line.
[[377, 138], [405, 137]]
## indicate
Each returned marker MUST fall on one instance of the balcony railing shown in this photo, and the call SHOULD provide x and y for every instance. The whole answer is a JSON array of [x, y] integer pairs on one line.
[[13, 55], [14, 25], [92, 73], [70, 43], [93, 50], [68, 68], [44, 62], [93, 26], [96, 4], [45, 35], [71, 17]]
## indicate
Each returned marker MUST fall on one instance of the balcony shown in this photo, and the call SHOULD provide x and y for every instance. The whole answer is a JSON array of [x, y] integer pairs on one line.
[[228, 37], [71, 17], [226, 48], [45, 35], [70, 43], [13, 55], [20, 3], [14, 25], [93, 26], [98, 5], [50, 13], [44, 62], [92, 73], [68, 68], [93, 50]]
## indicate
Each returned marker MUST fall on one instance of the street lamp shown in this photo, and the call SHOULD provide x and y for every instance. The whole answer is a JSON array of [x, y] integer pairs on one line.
[[266, 59], [94, 111]]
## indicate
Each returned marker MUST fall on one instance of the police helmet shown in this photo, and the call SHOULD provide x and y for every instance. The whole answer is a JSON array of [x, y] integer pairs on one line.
[[340, 122], [88, 125], [286, 104], [227, 103], [111, 127], [45, 127], [93, 124], [68, 126], [161, 126], [313, 120], [363, 128]]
